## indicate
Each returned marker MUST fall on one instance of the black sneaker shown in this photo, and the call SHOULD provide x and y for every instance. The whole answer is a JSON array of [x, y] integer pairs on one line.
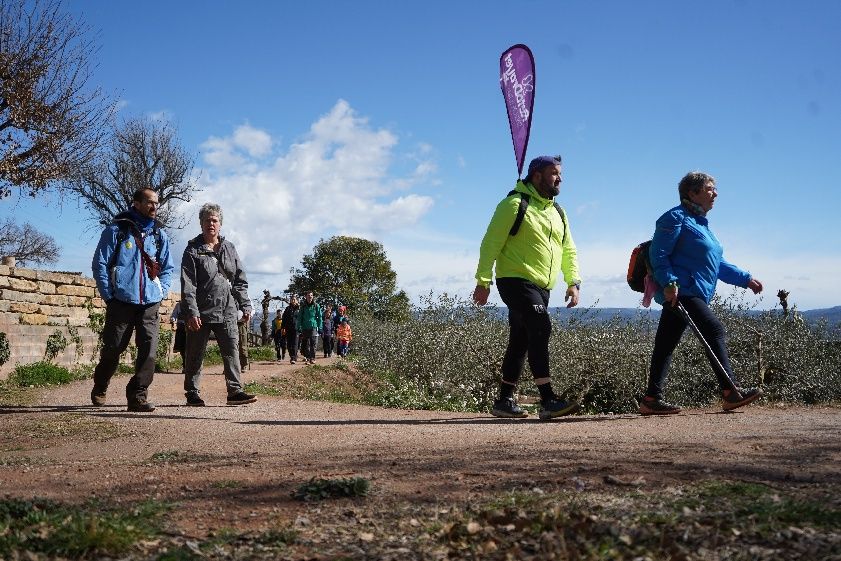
[[241, 398], [193, 400], [557, 408], [733, 399], [507, 408], [654, 406], [142, 406], [98, 397]]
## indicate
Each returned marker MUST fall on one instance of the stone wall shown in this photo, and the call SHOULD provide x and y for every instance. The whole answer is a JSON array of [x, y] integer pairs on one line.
[[34, 303]]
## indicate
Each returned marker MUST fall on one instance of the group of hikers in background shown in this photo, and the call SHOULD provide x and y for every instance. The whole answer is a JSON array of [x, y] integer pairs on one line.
[[526, 248], [300, 323]]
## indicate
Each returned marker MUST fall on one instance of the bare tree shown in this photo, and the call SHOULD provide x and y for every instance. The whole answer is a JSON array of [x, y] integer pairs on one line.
[[51, 123], [26, 244], [140, 153]]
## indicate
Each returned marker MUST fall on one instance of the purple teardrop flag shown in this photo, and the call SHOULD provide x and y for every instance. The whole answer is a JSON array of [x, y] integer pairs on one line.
[[516, 78]]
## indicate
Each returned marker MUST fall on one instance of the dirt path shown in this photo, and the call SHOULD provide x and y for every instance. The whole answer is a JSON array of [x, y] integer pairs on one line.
[[237, 466]]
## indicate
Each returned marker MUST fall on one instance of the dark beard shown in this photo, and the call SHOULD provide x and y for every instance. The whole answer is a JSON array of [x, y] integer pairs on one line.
[[548, 191]]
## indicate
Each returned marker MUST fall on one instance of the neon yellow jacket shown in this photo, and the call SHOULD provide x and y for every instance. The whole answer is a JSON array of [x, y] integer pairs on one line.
[[542, 248]]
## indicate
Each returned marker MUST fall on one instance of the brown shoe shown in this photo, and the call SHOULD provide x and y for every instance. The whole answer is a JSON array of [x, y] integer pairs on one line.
[[732, 399], [98, 397], [654, 406], [141, 407]]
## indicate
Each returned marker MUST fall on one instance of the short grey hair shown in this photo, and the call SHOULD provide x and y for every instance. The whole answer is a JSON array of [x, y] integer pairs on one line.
[[210, 208], [692, 182]]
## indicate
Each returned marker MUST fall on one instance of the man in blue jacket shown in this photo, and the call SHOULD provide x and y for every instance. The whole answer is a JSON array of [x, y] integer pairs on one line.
[[133, 270]]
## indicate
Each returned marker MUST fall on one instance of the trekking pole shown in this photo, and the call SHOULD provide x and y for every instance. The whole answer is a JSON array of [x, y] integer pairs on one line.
[[710, 354]]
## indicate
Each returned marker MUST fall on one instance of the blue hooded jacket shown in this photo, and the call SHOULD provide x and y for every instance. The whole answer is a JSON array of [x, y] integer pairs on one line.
[[128, 279], [684, 250]]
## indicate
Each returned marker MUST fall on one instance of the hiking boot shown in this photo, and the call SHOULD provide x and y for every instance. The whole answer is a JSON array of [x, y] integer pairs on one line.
[[141, 406], [193, 400], [292, 361], [507, 408], [241, 398], [556, 408], [656, 406], [98, 397], [733, 399]]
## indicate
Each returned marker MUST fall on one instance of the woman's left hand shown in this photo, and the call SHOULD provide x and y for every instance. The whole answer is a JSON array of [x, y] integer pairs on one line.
[[755, 286]]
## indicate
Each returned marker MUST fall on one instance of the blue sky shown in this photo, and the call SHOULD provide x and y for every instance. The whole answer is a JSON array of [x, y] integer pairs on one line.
[[385, 120]]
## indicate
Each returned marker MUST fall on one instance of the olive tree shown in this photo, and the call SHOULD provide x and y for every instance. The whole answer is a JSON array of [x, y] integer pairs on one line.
[[355, 272]]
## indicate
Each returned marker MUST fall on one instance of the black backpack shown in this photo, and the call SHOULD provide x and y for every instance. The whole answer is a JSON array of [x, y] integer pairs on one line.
[[521, 212], [639, 266]]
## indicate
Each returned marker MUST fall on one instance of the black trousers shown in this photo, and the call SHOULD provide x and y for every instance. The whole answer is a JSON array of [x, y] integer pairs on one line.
[[121, 319], [670, 330], [530, 328], [280, 345], [308, 343], [292, 343]]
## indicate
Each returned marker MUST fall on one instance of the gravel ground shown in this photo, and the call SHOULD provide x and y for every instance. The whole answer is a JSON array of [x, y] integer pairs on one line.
[[238, 466]]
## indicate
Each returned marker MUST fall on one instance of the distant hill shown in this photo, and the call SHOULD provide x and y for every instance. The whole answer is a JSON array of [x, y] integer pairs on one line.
[[831, 315]]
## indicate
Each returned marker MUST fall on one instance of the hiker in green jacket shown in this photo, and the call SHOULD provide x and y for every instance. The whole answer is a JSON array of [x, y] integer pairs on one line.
[[530, 242], [309, 324]]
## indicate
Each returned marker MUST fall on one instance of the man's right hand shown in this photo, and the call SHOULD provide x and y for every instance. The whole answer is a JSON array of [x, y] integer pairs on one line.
[[194, 323], [480, 294]]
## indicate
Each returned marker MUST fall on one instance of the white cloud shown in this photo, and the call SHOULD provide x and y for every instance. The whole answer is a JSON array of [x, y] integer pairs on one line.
[[337, 179], [245, 144], [255, 142], [162, 115]]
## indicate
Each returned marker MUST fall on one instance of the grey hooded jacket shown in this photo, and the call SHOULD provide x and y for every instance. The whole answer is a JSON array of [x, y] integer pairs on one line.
[[213, 284]]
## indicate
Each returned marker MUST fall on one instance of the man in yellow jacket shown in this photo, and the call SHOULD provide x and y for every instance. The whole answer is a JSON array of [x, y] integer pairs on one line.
[[530, 242]]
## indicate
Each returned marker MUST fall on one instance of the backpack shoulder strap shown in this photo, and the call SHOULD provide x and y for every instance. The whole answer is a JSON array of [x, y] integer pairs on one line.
[[563, 214], [122, 236], [159, 242], [521, 211]]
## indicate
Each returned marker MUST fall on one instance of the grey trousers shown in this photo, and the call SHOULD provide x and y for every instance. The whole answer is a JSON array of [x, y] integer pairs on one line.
[[227, 336], [121, 319]]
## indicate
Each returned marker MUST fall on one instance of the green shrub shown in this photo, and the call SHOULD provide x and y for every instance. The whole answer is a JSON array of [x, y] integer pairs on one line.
[[212, 355], [60, 531], [162, 355], [451, 358], [5, 349], [261, 353], [56, 343], [317, 489], [44, 374]]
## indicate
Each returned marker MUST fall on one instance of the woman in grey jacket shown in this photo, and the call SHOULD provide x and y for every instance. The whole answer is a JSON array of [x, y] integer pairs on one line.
[[213, 288]]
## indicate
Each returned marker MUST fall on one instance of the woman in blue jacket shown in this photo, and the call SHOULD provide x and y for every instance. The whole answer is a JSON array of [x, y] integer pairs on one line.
[[688, 261]]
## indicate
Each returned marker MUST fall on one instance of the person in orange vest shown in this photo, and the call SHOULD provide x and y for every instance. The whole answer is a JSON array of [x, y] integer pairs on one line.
[[344, 335]]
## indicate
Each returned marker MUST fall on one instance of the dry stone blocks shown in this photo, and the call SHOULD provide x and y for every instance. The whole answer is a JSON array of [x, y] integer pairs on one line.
[[22, 285], [33, 303], [75, 290]]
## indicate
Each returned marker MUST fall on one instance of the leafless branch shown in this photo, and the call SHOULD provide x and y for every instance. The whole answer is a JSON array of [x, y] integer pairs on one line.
[[53, 122]]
